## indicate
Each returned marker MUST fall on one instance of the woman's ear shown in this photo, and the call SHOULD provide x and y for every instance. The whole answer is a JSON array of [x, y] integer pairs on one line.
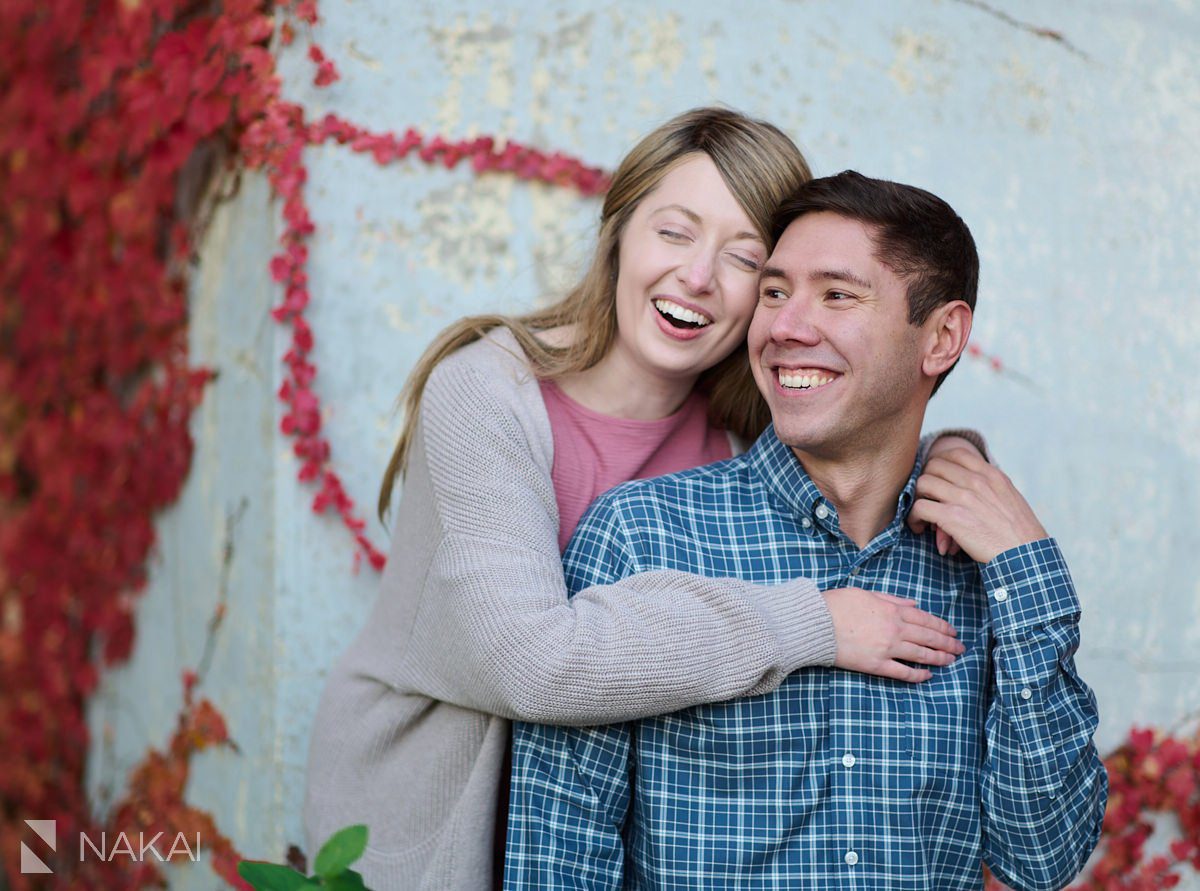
[[948, 329]]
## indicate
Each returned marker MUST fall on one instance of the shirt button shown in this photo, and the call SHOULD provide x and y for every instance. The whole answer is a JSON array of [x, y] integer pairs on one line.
[[822, 511], [851, 858], [1027, 693], [1001, 594], [848, 760], [806, 522]]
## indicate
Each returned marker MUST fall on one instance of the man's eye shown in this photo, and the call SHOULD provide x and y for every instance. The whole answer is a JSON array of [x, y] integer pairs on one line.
[[773, 294], [839, 296]]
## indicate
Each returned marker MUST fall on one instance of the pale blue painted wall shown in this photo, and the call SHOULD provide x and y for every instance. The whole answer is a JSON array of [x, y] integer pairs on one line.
[[1074, 163]]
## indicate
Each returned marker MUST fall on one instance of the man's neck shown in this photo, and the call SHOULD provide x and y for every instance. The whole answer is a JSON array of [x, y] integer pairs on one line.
[[864, 487]]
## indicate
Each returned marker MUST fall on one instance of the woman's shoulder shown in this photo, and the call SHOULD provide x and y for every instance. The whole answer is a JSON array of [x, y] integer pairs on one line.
[[500, 353], [495, 351], [493, 369], [487, 385]]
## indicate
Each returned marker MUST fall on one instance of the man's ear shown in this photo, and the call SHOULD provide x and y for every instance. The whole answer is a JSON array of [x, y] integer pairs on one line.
[[947, 330]]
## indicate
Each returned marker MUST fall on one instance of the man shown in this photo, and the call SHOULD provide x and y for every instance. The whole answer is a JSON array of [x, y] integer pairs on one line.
[[836, 779]]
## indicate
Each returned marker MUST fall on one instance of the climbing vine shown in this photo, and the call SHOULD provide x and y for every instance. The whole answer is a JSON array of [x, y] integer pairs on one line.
[[113, 115]]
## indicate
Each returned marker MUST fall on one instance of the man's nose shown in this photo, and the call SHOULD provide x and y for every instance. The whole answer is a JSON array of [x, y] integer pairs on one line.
[[795, 322]]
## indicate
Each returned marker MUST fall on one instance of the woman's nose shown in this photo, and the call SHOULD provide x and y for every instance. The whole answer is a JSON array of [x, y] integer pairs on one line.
[[696, 272]]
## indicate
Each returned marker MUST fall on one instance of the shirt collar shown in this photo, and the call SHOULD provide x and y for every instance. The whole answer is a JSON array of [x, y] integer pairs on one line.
[[783, 474]]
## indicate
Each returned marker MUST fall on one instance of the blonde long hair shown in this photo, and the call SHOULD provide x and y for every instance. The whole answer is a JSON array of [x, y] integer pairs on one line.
[[761, 167]]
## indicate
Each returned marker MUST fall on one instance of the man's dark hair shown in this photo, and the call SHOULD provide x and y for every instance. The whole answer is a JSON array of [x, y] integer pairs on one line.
[[917, 235]]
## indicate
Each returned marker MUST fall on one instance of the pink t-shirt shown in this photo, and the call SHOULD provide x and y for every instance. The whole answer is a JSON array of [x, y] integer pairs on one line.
[[594, 452]]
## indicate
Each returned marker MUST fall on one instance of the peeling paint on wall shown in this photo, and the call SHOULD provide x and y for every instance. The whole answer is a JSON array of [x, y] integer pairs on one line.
[[464, 48], [466, 230], [920, 63], [655, 47]]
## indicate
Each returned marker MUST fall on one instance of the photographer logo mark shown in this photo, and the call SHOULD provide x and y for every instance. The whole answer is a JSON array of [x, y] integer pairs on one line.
[[122, 846], [46, 830]]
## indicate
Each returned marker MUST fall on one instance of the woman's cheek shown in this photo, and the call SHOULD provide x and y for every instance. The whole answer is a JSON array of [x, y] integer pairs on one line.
[[743, 304]]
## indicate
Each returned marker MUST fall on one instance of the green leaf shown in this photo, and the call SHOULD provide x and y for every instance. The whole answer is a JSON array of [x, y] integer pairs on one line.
[[343, 848], [348, 880], [271, 876]]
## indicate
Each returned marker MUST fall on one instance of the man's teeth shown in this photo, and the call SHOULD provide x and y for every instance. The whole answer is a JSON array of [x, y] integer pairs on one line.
[[683, 314], [795, 380]]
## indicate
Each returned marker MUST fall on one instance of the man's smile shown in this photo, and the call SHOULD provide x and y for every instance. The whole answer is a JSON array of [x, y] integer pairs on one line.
[[805, 378]]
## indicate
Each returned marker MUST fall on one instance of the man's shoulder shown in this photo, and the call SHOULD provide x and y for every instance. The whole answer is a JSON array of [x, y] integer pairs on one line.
[[656, 523], [682, 492]]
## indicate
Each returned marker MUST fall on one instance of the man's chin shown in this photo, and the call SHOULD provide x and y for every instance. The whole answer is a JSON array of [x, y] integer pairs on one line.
[[801, 438]]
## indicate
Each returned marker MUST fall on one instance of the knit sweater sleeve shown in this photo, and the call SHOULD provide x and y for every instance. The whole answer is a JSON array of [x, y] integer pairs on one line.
[[974, 437], [494, 630]]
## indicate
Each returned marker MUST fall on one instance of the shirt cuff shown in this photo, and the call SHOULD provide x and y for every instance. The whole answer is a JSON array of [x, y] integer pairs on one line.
[[1029, 586]]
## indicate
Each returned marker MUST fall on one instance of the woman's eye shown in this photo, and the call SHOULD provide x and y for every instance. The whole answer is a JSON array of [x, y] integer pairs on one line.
[[747, 263], [672, 234]]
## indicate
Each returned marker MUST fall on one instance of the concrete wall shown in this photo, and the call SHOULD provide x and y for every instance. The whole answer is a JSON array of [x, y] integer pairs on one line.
[[1064, 134]]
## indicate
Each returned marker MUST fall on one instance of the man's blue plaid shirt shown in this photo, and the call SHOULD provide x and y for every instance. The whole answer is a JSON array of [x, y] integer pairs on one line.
[[836, 779]]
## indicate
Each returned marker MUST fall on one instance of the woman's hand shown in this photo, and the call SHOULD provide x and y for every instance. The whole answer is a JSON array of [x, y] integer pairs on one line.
[[943, 444], [875, 631], [975, 502]]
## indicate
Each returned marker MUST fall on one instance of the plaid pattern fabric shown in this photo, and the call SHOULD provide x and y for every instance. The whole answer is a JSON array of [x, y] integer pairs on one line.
[[835, 780]]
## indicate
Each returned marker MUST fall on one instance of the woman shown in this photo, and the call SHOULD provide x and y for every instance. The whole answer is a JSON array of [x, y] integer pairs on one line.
[[513, 426]]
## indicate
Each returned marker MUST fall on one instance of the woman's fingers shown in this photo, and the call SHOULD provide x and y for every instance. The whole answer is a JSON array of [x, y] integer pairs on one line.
[[942, 540], [891, 598], [911, 652], [923, 628], [901, 672], [931, 640], [937, 488], [914, 615], [957, 464]]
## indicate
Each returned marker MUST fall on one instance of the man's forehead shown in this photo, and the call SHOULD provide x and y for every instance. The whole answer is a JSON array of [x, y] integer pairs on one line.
[[821, 246]]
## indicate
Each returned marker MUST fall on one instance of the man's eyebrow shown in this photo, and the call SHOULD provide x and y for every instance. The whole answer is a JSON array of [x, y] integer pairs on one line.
[[697, 219], [772, 272], [839, 275]]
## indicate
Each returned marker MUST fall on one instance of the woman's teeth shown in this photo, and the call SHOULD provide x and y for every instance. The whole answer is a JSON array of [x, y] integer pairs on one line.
[[797, 380], [681, 314]]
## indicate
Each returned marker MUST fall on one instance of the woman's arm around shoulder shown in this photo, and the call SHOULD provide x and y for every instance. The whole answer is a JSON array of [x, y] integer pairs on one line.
[[492, 628]]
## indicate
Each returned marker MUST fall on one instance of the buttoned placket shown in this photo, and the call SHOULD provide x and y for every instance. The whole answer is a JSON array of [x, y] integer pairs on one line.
[[845, 758], [841, 758], [846, 764], [844, 761]]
